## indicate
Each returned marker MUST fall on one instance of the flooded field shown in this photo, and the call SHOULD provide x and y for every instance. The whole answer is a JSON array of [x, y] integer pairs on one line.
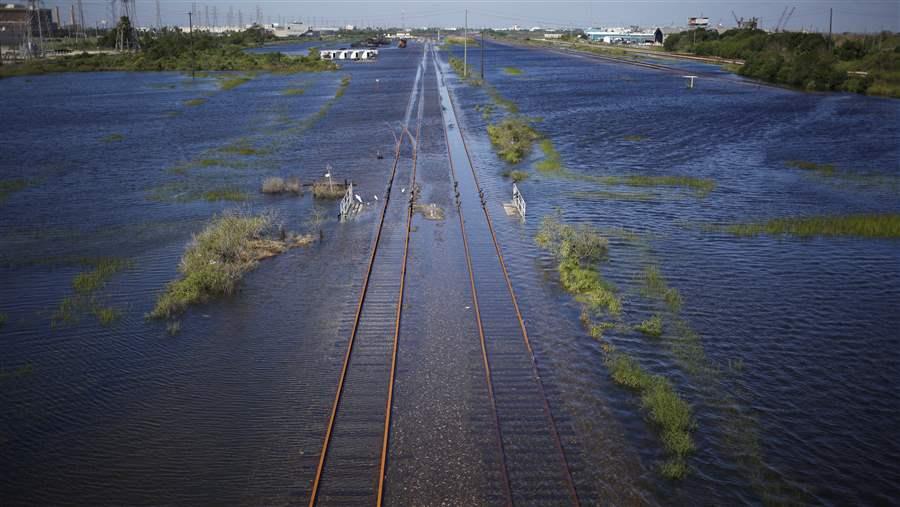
[[785, 348]]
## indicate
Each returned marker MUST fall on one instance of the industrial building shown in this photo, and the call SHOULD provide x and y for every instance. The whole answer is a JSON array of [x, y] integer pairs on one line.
[[14, 20], [620, 36]]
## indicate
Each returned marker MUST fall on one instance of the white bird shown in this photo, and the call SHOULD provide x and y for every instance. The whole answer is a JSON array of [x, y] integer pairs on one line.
[[358, 198], [376, 197], [403, 190], [327, 175]]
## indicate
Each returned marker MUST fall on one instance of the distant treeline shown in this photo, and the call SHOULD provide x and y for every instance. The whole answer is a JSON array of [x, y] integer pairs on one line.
[[806, 60], [171, 49]]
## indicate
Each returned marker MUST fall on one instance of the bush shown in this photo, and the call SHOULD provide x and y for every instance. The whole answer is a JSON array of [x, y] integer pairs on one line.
[[513, 139]]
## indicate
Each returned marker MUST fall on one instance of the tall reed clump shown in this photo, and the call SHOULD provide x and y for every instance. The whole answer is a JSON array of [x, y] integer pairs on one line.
[[577, 250], [276, 185], [512, 138], [665, 408], [232, 244], [862, 225]]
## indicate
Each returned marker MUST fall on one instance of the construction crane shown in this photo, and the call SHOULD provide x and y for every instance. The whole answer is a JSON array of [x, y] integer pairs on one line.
[[778, 25], [788, 18]]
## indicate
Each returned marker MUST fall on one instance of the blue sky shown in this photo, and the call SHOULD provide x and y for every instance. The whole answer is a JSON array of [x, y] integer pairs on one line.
[[849, 15]]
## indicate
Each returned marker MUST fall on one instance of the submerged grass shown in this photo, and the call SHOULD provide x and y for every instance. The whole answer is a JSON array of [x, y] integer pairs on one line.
[[577, 249], [701, 186], [655, 286], [95, 279], [552, 162], [512, 71], [665, 408], [512, 138], [613, 196], [225, 194], [3, 319], [862, 225], [229, 246], [113, 138], [86, 284], [634, 138], [516, 176], [823, 169], [293, 91], [651, 327], [11, 186], [194, 102], [230, 83]]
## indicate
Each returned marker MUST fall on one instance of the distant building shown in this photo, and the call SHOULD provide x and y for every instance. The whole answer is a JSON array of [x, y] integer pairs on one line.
[[14, 23], [295, 29], [553, 36], [619, 36], [700, 22]]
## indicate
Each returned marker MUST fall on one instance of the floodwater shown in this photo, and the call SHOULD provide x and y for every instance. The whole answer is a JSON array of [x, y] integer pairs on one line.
[[801, 334]]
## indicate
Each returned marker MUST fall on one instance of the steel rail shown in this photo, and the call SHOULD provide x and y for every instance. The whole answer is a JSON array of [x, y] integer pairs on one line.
[[551, 421], [484, 357], [362, 296], [409, 217]]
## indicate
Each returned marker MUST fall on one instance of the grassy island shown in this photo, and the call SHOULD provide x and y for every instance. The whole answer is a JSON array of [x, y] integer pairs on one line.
[[171, 50]]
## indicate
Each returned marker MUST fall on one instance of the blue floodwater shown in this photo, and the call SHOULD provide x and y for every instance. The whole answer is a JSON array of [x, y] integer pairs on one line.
[[803, 403]]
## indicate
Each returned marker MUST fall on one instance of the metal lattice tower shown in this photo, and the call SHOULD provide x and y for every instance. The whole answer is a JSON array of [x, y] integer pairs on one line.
[[127, 39], [158, 17], [34, 48], [79, 10]]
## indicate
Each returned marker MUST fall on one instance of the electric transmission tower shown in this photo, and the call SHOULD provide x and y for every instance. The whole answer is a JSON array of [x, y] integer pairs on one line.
[[158, 17], [34, 48], [80, 31], [126, 33]]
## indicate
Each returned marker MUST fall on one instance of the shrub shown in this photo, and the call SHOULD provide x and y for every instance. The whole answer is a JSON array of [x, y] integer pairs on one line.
[[651, 327], [513, 139], [273, 185]]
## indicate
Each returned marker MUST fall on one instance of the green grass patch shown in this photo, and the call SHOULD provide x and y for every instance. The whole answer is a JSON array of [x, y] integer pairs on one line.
[[665, 408], [613, 196], [516, 176], [293, 91], [194, 102], [512, 138], [230, 83], [11, 186], [486, 110], [552, 162], [241, 147], [345, 82], [577, 249], [700, 186], [455, 40], [862, 225], [232, 244], [651, 327], [465, 72], [654, 285], [225, 194], [95, 279], [106, 315], [634, 138], [512, 71], [113, 138], [501, 101], [823, 169]]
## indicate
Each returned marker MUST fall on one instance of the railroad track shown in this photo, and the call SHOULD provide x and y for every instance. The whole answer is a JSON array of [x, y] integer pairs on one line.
[[527, 432], [353, 458]]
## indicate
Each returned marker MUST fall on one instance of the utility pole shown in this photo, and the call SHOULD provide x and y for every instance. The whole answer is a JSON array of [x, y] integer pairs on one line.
[[466, 47], [191, 37], [830, 14], [158, 17], [482, 55]]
